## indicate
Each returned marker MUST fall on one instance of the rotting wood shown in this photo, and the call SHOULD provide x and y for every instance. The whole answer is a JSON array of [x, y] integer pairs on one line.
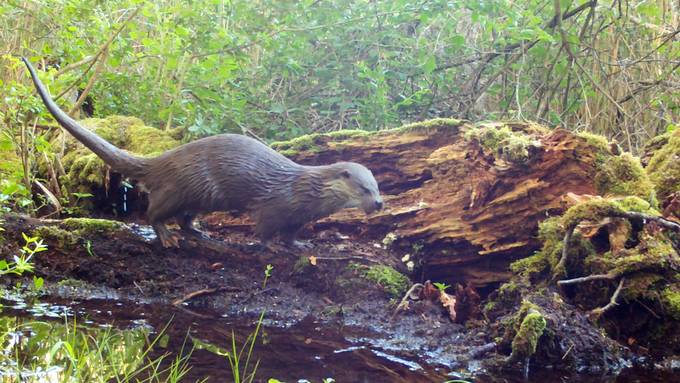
[[471, 212]]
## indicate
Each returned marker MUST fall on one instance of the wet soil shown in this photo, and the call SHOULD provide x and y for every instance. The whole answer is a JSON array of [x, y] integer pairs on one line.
[[322, 320]]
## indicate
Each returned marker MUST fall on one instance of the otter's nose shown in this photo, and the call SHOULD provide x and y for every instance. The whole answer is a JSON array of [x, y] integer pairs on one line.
[[379, 204]]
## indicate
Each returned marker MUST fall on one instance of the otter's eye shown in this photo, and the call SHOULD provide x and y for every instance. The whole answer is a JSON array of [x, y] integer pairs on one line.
[[365, 189], [345, 173]]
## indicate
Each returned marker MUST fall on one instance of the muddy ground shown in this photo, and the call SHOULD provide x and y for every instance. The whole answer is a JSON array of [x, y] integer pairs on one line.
[[328, 290]]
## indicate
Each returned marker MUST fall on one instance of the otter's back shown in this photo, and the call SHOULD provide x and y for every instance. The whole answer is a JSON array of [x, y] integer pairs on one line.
[[222, 172]]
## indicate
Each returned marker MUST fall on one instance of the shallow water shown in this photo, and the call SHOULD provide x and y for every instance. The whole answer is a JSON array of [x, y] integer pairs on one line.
[[289, 352]]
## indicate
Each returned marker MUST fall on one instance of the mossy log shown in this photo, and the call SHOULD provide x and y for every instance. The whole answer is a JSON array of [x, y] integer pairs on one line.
[[463, 200]]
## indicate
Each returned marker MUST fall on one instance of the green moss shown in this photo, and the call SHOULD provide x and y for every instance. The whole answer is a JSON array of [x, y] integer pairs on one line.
[[312, 142], [513, 146], [641, 285], [623, 175], [69, 231], [551, 233], [84, 170], [64, 238], [10, 163], [653, 145], [598, 208], [84, 226], [434, 124], [149, 141], [664, 167], [308, 142], [388, 278], [530, 330], [670, 297], [600, 143]]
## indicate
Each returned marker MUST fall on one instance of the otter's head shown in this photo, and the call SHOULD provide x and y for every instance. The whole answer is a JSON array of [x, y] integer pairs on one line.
[[356, 185]]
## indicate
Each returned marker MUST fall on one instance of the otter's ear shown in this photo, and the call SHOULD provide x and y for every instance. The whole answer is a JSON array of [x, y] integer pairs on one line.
[[344, 173]]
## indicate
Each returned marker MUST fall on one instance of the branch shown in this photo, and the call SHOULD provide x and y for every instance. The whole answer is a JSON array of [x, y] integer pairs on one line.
[[612, 302], [631, 215], [668, 224], [649, 84], [90, 83], [509, 48], [594, 277], [104, 47], [562, 264]]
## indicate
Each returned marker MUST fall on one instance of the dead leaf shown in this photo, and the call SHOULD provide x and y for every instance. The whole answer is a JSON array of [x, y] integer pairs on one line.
[[312, 260], [449, 303]]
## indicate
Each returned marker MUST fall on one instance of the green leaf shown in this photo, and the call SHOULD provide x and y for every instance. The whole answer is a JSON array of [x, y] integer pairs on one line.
[[38, 282], [430, 64], [457, 41]]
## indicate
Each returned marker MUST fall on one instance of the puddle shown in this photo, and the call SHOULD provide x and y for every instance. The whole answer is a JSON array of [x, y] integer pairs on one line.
[[304, 352]]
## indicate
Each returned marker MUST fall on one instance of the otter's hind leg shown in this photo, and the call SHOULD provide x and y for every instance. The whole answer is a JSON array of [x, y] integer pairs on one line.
[[186, 223], [160, 210]]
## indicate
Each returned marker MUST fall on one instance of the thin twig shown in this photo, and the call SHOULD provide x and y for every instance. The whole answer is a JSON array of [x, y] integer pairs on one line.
[[594, 277], [404, 300], [562, 265], [100, 51], [202, 292], [612, 302], [90, 83]]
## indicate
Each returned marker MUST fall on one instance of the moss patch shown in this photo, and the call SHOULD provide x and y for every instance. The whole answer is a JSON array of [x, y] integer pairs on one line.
[[313, 142], [69, 231], [623, 175], [530, 330], [513, 146], [664, 167], [85, 170], [600, 143], [83, 226], [670, 297], [388, 278], [598, 208], [434, 124]]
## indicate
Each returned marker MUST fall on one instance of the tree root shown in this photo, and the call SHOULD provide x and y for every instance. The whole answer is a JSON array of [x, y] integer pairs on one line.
[[202, 292], [630, 215], [403, 304], [596, 313], [595, 277]]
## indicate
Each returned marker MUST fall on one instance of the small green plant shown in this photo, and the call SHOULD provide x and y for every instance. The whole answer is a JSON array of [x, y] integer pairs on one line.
[[22, 262], [88, 247], [441, 286], [70, 352], [267, 274], [240, 358]]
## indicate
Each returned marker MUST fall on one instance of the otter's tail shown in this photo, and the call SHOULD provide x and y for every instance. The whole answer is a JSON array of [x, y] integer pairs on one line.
[[118, 159]]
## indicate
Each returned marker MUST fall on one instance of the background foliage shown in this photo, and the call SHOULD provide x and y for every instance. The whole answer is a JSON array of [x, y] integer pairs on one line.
[[279, 69]]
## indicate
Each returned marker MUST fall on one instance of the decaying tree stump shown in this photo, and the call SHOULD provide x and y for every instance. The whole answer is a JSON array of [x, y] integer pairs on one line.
[[464, 199]]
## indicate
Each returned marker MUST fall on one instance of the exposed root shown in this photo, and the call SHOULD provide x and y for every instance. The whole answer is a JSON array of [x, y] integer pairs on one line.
[[562, 264], [595, 277], [202, 292], [403, 304], [349, 257], [668, 224], [596, 313]]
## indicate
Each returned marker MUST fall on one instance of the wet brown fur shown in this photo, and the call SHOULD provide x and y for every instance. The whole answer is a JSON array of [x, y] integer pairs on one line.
[[230, 172]]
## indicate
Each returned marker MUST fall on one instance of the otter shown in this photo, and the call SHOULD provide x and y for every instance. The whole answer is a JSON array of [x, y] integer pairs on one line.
[[232, 173]]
